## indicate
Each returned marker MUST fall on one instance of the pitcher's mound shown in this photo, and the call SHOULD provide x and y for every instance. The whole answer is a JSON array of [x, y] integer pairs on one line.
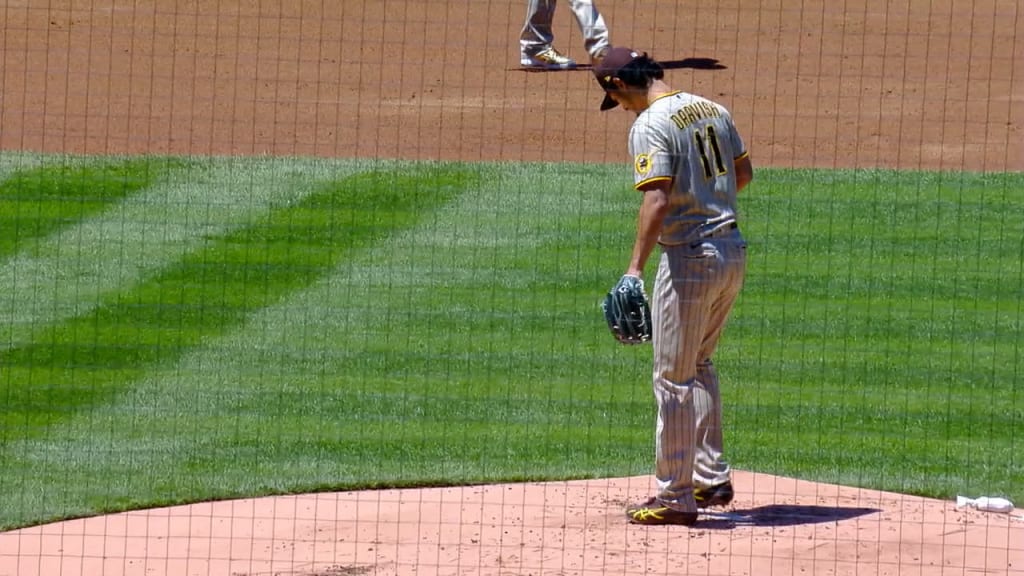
[[775, 526]]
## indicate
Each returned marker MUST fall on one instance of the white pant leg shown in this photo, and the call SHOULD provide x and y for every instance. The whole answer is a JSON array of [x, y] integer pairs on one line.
[[679, 316], [536, 35], [595, 31], [710, 469]]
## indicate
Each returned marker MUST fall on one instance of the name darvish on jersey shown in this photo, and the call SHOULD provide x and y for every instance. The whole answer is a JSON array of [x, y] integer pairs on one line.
[[693, 143]]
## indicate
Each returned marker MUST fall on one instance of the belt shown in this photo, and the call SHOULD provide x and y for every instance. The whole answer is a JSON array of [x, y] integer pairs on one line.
[[721, 230]]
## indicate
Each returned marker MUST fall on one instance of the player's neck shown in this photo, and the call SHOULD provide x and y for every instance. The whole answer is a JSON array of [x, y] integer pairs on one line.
[[657, 90]]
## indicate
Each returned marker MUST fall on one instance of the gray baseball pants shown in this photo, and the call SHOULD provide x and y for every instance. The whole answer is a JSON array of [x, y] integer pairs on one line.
[[537, 35], [695, 289]]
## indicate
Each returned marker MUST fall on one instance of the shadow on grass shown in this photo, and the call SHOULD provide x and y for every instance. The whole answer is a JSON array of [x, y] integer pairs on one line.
[[780, 515]]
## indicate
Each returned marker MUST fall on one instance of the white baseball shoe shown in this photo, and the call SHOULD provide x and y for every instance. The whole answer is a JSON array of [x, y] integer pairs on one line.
[[549, 59]]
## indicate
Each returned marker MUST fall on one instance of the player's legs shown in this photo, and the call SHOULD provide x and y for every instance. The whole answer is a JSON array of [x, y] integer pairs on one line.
[[535, 40], [710, 469], [536, 35], [680, 314], [595, 31]]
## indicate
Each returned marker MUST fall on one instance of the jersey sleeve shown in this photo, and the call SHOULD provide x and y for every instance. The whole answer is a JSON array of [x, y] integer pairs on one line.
[[738, 148], [648, 148]]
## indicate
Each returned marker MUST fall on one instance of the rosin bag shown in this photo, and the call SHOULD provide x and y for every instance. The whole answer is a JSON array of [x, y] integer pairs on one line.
[[985, 504]]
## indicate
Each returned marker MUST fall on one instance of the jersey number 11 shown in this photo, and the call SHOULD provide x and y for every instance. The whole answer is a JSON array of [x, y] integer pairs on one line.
[[704, 142]]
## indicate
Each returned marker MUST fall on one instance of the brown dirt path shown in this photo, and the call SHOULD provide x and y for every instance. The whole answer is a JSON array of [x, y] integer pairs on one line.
[[927, 84], [776, 526], [909, 84]]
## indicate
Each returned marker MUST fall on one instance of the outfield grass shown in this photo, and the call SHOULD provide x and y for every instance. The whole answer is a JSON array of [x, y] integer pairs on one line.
[[174, 330]]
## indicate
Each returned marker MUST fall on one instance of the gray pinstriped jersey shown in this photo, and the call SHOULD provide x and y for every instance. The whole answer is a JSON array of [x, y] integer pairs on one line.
[[693, 142]]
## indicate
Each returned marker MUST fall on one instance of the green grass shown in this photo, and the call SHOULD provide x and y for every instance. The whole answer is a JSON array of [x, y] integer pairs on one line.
[[233, 327], [211, 291], [39, 201]]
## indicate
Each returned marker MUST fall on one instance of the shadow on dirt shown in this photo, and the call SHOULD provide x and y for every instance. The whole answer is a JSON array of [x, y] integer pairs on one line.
[[780, 515], [692, 63]]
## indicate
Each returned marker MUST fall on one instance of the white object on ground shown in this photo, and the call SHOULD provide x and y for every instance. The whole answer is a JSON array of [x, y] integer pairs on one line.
[[985, 504]]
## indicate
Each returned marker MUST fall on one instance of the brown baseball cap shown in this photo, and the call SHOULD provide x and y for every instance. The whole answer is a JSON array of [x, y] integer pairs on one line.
[[614, 60]]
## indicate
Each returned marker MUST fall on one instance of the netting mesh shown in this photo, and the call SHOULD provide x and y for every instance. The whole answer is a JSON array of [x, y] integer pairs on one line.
[[313, 288]]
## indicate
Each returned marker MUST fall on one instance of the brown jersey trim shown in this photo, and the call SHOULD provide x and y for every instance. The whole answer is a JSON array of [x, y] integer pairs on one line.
[[741, 157], [643, 183], [665, 95]]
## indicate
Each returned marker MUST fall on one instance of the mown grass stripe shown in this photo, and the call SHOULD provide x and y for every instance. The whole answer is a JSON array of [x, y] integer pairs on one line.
[[82, 362], [37, 202], [73, 271], [14, 162]]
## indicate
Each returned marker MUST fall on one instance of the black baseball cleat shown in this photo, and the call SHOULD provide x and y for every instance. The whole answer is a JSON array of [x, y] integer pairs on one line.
[[720, 495], [654, 511]]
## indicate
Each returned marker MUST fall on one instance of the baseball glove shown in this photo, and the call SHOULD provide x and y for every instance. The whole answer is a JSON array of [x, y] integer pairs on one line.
[[627, 311]]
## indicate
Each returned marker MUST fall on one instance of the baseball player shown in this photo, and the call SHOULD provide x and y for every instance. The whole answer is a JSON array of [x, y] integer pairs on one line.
[[535, 41], [689, 163]]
